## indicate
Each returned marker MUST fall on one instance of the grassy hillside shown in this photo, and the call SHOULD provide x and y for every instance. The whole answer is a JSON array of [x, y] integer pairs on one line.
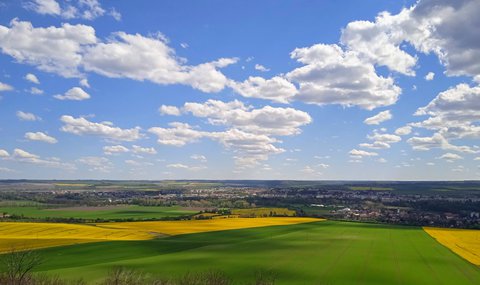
[[314, 253]]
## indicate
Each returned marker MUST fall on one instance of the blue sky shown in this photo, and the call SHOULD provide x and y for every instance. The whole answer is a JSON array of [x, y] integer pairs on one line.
[[386, 90]]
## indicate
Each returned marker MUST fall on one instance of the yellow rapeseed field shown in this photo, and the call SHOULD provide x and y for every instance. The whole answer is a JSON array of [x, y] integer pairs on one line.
[[465, 243], [197, 226], [17, 235]]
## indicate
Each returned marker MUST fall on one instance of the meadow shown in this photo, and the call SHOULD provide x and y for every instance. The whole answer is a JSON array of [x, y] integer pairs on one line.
[[106, 212], [325, 252]]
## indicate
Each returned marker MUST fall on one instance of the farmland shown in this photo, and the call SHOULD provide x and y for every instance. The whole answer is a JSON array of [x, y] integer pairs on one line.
[[106, 213], [465, 243], [38, 235], [324, 252]]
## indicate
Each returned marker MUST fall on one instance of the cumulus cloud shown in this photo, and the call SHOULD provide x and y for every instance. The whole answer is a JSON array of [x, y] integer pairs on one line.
[[450, 157], [379, 118], [186, 167], [249, 133], [359, 154], [169, 110], [32, 78], [276, 89], [81, 126], [334, 76], [199, 157], [144, 150], [97, 163], [179, 134], [266, 120], [35, 91], [150, 58], [403, 131], [114, 149], [4, 153], [84, 82], [23, 156], [453, 114], [5, 87], [375, 145], [25, 116], [84, 9], [262, 68], [429, 76], [39, 136], [430, 26], [71, 49], [437, 141], [74, 94], [58, 50]]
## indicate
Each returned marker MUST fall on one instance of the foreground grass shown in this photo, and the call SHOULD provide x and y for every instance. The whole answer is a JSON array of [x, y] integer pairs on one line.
[[20, 235], [465, 243], [310, 253]]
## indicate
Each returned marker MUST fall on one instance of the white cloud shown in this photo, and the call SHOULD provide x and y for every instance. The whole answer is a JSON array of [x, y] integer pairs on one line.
[[4, 153], [266, 120], [84, 9], [146, 150], [44, 7], [450, 157], [58, 50], [437, 141], [23, 156], [178, 135], [375, 145], [261, 68], [5, 87], [32, 78], [81, 126], [276, 89], [177, 165], [35, 91], [430, 26], [333, 76], [150, 58], [378, 118], [84, 82], [39, 136], [386, 138], [429, 76], [169, 110], [115, 14], [186, 167], [25, 116], [114, 149], [97, 163], [382, 160], [358, 154], [199, 157], [75, 94], [379, 43], [403, 131]]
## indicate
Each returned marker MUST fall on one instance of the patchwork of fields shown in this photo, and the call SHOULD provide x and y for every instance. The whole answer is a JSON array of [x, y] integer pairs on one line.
[[324, 252], [465, 243], [20, 235], [107, 212]]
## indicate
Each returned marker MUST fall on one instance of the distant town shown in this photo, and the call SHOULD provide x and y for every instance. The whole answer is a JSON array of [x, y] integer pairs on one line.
[[440, 204]]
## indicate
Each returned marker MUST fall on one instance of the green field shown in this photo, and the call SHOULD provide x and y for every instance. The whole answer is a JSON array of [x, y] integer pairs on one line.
[[111, 212], [315, 253]]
